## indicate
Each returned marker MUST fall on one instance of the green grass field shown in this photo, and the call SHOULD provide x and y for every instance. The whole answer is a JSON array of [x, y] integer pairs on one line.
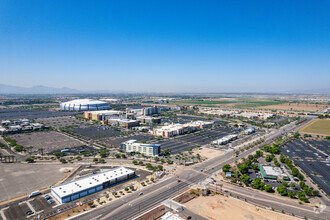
[[200, 102], [319, 126]]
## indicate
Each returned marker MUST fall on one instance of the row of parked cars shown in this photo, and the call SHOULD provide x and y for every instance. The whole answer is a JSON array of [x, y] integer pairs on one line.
[[49, 199], [36, 193]]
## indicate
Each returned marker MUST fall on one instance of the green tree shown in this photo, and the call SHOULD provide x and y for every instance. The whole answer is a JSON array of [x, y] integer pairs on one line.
[[268, 188], [19, 148], [245, 179], [259, 153], [282, 190], [226, 168], [291, 194], [255, 166], [29, 160], [243, 168]]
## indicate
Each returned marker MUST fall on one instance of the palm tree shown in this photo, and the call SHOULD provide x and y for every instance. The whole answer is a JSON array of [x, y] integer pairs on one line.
[[41, 151]]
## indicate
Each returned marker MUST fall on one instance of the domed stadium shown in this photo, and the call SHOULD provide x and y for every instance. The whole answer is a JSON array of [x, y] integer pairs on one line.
[[84, 105]]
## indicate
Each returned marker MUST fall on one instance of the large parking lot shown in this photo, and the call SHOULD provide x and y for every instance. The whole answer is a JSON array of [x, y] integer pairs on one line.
[[97, 132], [181, 143], [313, 162], [322, 145], [49, 141], [61, 122], [6, 114], [116, 141]]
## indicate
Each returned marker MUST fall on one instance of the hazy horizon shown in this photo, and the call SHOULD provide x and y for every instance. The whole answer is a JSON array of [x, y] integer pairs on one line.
[[166, 46]]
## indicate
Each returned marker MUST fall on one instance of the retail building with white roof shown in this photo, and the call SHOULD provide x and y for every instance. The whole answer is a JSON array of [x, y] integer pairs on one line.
[[79, 188]]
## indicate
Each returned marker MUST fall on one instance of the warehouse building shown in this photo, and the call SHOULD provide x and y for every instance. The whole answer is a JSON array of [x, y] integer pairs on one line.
[[225, 139], [147, 149], [79, 188], [171, 130], [84, 105]]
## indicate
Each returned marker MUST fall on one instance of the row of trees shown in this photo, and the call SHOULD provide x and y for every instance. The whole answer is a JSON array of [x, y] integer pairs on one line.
[[7, 158]]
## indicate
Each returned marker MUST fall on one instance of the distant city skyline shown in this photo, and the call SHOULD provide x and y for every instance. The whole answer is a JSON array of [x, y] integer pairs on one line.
[[166, 46]]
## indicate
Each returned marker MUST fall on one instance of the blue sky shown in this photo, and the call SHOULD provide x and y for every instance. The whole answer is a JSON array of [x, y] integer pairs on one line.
[[166, 45]]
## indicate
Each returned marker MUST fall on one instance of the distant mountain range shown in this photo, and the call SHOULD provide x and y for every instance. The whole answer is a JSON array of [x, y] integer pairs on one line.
[[7, 89]]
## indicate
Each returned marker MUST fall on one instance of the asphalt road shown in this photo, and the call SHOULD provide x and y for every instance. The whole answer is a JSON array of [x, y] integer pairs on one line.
[[132, 205]]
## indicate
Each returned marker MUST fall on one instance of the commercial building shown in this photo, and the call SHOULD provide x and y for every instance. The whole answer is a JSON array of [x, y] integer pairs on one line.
[[126, 123], [15, 126], [79, 188], [147, 119], [147, 149], [84, 105], [103, 115], [171, 130], [150, 110], [271, 172], [237, 113], [249, 130], [145, 110], [225, 139]]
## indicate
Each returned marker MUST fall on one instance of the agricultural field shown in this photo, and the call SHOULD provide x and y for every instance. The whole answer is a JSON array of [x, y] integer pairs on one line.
[[319, 126], [295, 107], [236, 103], [202, 102]]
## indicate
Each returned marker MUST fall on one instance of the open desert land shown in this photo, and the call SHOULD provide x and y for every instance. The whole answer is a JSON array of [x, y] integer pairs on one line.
[[22, 179], [208, 152], [221, 207], [296, 107], [319, 126]]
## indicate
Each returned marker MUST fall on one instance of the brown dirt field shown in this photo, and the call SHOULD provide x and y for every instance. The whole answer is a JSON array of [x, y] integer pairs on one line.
[[296, 107], [186, 197], [208, 152], [155, 214], [221, 207]]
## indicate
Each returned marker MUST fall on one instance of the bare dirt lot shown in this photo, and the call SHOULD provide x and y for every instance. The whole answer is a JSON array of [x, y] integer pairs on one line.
[[47, 140], [319, 126], [22, 179], [221, 207], [208, 152], [296, 107]]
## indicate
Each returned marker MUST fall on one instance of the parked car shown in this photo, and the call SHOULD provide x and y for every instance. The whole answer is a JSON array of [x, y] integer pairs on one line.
[[47, 197], [29, 212], [51, 201], [141, 193], [36, 193]]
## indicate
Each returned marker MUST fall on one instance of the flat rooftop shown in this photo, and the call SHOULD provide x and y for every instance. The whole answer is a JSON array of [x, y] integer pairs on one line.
[[273, 171], [84, 183]]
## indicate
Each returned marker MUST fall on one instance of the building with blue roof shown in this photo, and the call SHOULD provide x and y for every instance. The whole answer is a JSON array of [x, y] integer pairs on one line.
[[151, 150]]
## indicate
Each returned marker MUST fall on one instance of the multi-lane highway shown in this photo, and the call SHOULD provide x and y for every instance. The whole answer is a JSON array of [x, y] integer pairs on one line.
[[132, 205]]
